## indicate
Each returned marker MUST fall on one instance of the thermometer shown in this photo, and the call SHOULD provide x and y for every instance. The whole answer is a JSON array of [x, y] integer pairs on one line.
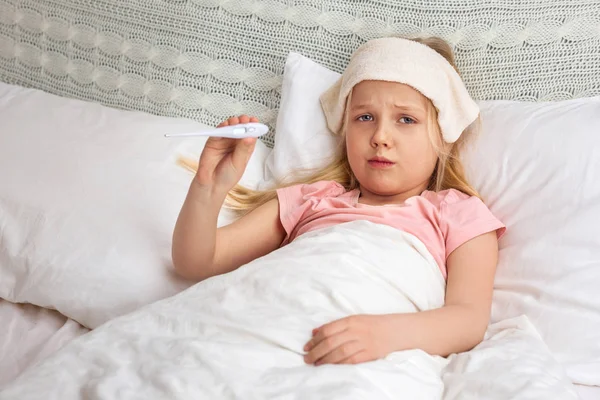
[[252, 129]]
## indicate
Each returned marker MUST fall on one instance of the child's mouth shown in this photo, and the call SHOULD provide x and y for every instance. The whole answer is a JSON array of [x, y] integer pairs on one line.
[[381, 164]]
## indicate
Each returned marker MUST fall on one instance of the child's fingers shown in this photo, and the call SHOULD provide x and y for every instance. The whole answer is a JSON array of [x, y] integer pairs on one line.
[[242, 119], [249, 141], [242, 153]]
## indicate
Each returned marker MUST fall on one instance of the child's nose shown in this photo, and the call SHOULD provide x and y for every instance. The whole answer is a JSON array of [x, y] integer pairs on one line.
[[380, 138]]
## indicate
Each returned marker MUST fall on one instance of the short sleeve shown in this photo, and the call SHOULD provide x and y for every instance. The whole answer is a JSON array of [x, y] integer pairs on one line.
[[297, 201], [464, 218], [290, 200]]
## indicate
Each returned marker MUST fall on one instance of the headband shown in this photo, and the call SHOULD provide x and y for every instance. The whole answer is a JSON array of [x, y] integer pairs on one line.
[[414, 64]]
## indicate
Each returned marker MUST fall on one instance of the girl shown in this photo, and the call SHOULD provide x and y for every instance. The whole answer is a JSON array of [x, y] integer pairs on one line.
[[402, 112]]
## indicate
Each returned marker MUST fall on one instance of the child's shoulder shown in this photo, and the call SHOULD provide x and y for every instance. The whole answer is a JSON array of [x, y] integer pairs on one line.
[[463, 215]]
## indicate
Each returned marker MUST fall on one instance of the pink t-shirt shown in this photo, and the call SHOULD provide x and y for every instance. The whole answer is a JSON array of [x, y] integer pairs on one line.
[[441, 220]]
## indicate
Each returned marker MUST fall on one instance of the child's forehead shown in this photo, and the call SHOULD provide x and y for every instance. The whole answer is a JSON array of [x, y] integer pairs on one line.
[[394, 93]]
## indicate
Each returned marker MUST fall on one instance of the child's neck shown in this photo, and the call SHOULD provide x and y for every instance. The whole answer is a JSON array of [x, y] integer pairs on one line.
[[373, 199]]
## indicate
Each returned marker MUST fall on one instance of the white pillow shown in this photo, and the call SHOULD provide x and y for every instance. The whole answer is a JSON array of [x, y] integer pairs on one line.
[[88, 200], [537, 165], [301, 138]]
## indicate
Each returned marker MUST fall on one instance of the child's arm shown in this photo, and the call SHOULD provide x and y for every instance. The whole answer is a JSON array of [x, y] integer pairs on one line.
[[200, 250], [458, 326], [461, 324]]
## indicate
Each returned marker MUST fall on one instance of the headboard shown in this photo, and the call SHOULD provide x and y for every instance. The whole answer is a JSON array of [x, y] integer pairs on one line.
[[209, 59]]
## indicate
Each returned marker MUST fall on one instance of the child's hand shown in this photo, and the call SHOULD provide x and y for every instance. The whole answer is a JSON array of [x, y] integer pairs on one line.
[[223, 160], [351, 340]]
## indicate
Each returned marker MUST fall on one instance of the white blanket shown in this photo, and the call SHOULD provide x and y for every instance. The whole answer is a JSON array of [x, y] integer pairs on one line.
[[240, 336]]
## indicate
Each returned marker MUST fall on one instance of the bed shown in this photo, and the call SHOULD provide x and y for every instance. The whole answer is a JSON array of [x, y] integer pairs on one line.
[[106, 79], [31, 333]]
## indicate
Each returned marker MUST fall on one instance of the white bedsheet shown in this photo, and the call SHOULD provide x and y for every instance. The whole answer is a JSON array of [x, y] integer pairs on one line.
[[588, 392], [241, 335], [29, 334]]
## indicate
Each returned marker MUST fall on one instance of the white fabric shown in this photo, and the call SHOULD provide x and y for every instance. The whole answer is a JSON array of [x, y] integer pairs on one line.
[[512, 362], [210, 59], [302, 139], [30, 334], [241, 335], [537, 165], [414, 64], [588, 392], [538, 168], [88, 200]]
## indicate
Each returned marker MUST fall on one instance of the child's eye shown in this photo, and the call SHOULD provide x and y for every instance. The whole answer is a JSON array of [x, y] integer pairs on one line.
[[407, 120], [365, 117]]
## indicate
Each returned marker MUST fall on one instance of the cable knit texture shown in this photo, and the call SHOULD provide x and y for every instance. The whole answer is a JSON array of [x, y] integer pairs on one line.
[[209, 59]]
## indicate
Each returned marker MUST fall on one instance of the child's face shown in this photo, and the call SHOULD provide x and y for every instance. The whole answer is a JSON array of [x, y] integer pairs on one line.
[[389, 120]]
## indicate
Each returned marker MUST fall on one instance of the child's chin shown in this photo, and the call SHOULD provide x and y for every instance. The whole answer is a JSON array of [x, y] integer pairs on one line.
[[383, 186]]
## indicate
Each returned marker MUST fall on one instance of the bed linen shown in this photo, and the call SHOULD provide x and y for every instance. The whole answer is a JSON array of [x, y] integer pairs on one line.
[[241, 335], [33, 333], [89, 196], [588, 392], [29, 334]]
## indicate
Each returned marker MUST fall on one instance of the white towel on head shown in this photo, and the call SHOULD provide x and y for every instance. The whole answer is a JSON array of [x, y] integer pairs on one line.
[[414, 64]]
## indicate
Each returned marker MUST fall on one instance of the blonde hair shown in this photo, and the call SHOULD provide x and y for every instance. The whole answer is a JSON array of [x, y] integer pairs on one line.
[[448, 172]]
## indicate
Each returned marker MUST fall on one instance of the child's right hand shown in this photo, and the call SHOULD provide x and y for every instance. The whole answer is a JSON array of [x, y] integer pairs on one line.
[[223, 160]]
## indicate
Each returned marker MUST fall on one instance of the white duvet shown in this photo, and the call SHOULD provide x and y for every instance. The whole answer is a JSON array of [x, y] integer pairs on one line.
[[240, 336]]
